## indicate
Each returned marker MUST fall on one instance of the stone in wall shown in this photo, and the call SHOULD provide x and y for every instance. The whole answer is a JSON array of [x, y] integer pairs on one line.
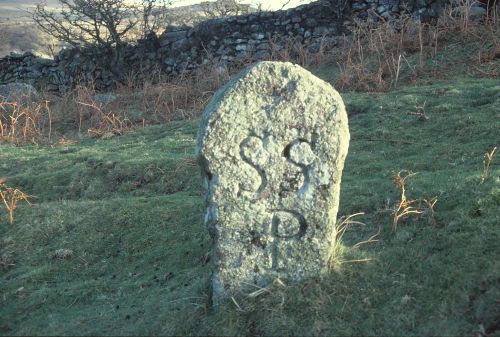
[[17, 92]]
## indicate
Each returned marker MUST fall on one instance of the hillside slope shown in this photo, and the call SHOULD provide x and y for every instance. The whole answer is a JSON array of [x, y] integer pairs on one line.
[[115, 245]]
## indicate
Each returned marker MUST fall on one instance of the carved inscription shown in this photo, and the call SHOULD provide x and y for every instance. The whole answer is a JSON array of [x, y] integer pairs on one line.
[[285, 224], [253, 153], [299, 155]]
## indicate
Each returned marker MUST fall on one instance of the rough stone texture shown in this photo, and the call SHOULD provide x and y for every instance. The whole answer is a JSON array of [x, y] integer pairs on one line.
[[272, 145], [15, 92], [184, 48]]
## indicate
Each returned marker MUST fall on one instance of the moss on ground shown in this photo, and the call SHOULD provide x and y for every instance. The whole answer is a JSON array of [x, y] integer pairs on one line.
[[130, 211]]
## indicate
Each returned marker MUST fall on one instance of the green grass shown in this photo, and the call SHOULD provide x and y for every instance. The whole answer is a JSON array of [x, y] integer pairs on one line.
[[130, 208]]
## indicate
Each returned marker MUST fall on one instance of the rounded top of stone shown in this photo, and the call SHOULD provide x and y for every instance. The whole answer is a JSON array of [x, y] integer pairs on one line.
[[271, 81]]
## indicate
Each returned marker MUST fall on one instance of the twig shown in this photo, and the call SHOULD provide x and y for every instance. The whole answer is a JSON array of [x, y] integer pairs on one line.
[[355, 261], [10, 197], [395, 141], [371, 239], [486, 164], [237, 305]]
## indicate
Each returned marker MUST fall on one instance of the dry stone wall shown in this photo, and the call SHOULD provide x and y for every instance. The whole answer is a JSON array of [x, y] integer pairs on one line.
[[180, 49]]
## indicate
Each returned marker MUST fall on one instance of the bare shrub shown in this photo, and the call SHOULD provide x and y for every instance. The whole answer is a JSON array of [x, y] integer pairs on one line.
[[223, 8], [104, 23]]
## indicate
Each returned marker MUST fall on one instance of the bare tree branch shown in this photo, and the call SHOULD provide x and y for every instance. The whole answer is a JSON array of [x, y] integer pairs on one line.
[[223, 8], [99, 22]]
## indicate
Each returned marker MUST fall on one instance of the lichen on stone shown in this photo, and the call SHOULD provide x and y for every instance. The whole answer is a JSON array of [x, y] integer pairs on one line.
[[271, 144]]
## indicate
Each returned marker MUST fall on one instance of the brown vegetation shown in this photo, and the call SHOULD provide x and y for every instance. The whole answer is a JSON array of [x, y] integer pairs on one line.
[[10, 197], [377, 57], [25, 120], [405, 208], [488, 158], [223, 8]]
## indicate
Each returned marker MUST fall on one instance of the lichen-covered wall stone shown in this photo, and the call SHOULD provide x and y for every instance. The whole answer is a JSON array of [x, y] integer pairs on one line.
[[17, 92], [272, 144]]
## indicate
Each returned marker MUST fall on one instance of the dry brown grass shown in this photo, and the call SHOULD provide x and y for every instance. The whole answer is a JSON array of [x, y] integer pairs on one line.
[[83, 110], [344, 224], [11, 197], [371, 59], [488, 158], [25, 120], [376, 55], [166, 98], [293, 50], [405, 207]]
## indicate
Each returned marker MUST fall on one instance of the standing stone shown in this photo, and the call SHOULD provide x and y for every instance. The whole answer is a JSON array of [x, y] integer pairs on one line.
[[271, 144]]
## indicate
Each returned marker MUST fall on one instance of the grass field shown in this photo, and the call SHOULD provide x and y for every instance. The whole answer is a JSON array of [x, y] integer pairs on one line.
[[115, 244]]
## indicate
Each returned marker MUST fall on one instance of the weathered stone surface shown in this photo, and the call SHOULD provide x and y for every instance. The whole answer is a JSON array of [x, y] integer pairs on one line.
[[272, 144], [17, 92]]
